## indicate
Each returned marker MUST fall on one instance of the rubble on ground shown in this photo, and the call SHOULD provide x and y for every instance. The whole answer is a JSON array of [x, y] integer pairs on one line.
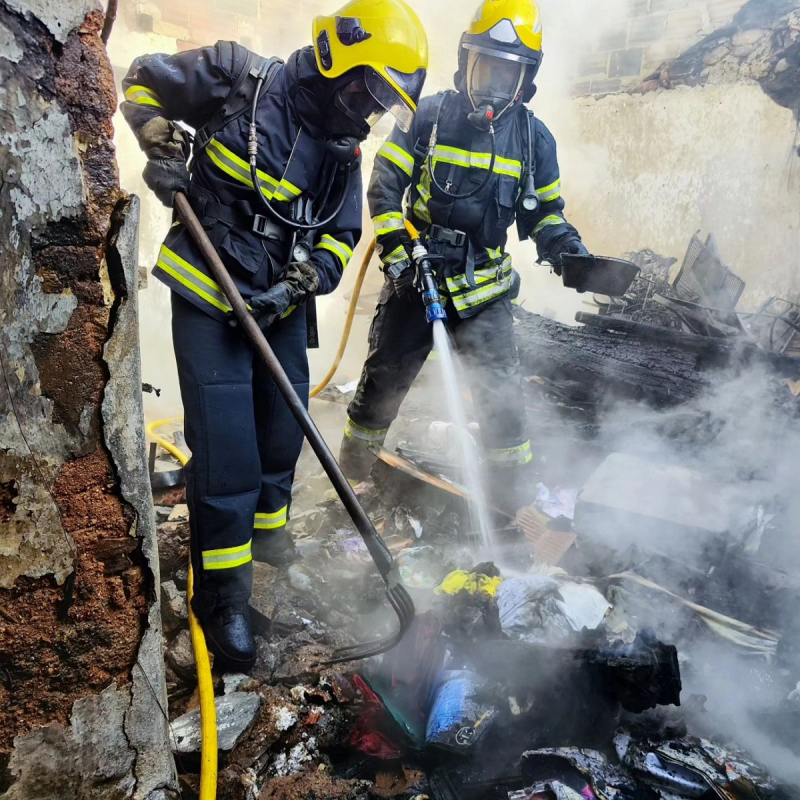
[[588, 656]]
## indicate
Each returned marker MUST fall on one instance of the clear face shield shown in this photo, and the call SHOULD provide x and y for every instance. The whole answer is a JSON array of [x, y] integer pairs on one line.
[[367, 99], [493, 81]]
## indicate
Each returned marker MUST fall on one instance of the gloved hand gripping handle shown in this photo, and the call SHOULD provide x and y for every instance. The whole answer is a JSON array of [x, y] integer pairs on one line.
[[434, 308]]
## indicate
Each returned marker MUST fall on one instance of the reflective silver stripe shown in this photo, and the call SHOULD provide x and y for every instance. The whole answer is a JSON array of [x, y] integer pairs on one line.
[[270, 521], [549, 193], [510, 456], [386, 223], [229, 558], [192, 278], [238, 169], [553, 219], [395, 257], [339, 249], [399, 157], [354, 431]]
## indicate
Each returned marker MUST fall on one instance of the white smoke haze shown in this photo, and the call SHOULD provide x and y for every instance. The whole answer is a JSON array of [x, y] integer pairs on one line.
[[637, 172]]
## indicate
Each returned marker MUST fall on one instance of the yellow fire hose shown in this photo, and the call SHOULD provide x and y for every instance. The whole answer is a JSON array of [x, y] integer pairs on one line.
[[348, 325], [208, 711]]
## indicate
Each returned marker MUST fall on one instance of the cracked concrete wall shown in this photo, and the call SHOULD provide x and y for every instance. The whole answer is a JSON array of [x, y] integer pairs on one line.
[[81, 670]]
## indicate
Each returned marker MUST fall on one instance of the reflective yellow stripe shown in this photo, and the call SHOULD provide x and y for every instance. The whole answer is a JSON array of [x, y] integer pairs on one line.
[[354, 431], [465, 158], [229, 558], [339, 249], [549, 193], [386, 223], [483, 294], [191, 277], [239, 169], [459, 282], [391, 152], [271, 521], [142, 96], [511, 456], [395, 257], [553, 219]]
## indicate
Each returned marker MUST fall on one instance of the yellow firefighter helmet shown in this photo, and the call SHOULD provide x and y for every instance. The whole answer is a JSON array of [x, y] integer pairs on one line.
[[386, 38], [501, 52]]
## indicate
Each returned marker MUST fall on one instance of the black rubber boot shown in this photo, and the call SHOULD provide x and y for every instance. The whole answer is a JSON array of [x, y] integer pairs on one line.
[[355, 460], [229, 636], [274, 548]]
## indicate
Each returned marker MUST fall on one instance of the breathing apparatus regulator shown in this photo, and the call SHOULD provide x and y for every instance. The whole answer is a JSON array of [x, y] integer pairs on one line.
[[302, 222]]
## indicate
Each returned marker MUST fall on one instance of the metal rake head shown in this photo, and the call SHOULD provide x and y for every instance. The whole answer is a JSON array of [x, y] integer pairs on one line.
[[403, 605]]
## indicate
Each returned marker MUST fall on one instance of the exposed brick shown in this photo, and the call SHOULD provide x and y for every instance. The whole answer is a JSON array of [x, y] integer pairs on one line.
[[686, 24], [176, 12], [593, 64], [614, 40], [625, 63], [644, 30], [182, 46], [639, 8], [172, 31], [583, 87], [606, 86]]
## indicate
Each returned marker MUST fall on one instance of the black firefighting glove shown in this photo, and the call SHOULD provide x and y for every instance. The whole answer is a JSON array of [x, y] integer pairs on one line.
[[402, 273], [165, 176], [402, 276], [299, 283], [570, 244]]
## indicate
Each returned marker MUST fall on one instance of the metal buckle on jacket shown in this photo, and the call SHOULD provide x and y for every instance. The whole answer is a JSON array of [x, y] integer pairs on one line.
[[267, 229], [447, 235]]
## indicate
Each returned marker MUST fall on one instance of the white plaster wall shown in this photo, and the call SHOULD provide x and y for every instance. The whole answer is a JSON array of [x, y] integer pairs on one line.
[[650, 170]]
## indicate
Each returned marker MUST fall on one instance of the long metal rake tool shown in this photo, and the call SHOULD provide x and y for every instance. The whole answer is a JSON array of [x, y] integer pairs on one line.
[[397, 595]]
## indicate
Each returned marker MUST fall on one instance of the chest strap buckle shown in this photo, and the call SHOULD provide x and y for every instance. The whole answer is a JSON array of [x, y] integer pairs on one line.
[[447, 235], [267, 229]]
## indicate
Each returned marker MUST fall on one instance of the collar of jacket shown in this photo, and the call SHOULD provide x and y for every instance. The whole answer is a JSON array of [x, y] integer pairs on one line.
[[309, 93]]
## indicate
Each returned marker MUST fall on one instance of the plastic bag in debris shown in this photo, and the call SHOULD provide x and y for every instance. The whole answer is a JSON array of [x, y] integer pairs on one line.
[[375, 732], [579, 770], [470, 582], [419, 567], [538, 608], [459, 716], [557, 502]]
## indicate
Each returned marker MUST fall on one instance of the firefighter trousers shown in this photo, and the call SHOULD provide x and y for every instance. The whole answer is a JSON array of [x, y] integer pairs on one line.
[[400, 340], [244, 443]]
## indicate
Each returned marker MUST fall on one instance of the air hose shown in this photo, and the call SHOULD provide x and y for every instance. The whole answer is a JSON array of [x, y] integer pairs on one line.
[[348, 325], [205, 685]]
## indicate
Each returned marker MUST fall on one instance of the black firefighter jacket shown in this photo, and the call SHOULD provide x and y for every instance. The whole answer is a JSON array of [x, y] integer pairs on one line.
[[479, 272], [189, 87]]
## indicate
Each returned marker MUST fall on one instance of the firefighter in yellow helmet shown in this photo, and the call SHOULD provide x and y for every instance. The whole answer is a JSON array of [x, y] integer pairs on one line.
[[285, 227], [474, 163]]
